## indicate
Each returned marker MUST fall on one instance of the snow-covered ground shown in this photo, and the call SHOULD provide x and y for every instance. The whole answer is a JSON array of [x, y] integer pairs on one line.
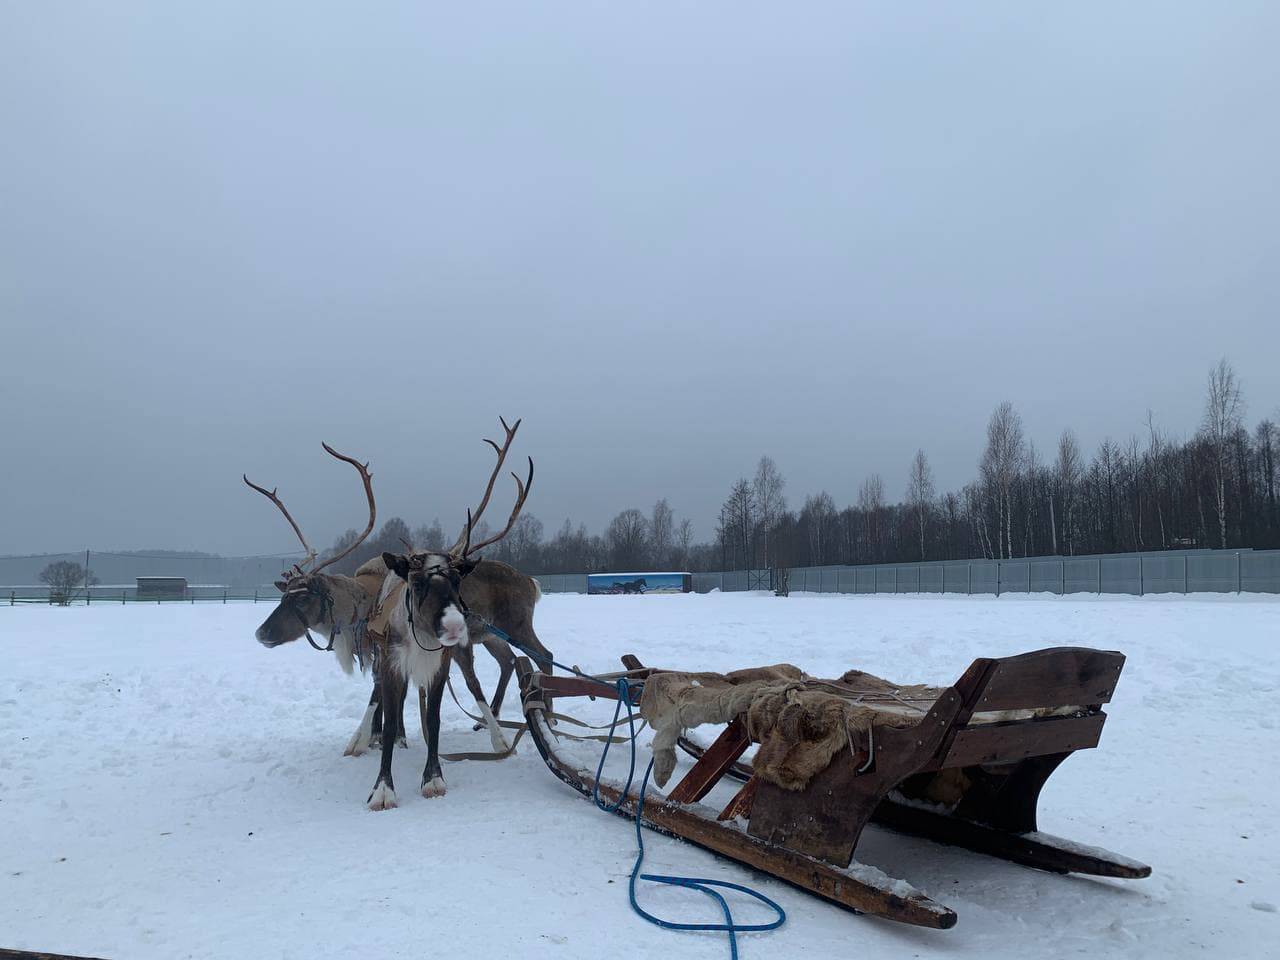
[[169, 788]]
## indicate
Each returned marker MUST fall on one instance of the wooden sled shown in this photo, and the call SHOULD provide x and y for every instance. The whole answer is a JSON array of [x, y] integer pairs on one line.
[[968, 773]]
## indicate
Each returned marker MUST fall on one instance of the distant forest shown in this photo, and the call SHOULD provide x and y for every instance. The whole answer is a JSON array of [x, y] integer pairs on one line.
[[1217, 488]]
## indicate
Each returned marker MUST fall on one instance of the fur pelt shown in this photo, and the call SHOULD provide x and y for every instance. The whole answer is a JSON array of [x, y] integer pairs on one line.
[[800, 722]]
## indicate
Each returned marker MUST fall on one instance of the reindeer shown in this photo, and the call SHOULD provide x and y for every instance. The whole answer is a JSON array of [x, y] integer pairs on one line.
[[318, 601], [339, 606], [427, 623]]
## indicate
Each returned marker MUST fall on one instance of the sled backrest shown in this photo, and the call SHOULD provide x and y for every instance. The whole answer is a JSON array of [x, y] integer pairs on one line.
[[1056, 677], [1058, 692]]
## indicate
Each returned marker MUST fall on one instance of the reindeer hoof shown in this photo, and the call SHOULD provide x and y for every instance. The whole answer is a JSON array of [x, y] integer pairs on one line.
[[433, 787], [382, 798], [479, 725], [355, 746]]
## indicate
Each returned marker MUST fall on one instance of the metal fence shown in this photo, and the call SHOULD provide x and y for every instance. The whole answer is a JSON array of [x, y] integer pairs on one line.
[[1173, 571], [1221, 571], [100, 596]]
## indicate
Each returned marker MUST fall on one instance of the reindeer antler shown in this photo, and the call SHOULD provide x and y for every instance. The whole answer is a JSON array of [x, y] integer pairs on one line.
[[271, 495], [300, 569], [501, 451], [522, 494], [363, 468]]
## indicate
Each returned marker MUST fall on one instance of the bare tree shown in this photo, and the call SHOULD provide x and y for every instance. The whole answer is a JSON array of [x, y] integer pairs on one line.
[[920, 494], [661, 533], [627, 540], [1067, 473], [63, 577], [1000, 466], [771, 504], [742, 518], [520, 547], [1223, 409], [818, 518], [684, 542], [1157, 475], [428, 537], [871, 503], [1267, 445]]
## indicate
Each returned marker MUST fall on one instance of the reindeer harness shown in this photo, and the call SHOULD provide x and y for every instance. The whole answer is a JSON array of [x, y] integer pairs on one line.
[[357, 627]]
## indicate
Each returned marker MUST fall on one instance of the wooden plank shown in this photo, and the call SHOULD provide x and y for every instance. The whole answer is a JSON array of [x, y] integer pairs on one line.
[[1019, 739], [557, 686], [740, 805], [712, 765], [1031, 849], [7, 954], [1056, 677]]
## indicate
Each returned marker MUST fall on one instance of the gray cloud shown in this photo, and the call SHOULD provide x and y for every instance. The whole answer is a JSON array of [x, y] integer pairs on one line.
[[671, 238]]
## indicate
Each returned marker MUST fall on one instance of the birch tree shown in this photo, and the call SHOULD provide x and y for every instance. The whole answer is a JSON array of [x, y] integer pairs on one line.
[[767, 485], [1000, 466], [1223, 409], [920, 495]]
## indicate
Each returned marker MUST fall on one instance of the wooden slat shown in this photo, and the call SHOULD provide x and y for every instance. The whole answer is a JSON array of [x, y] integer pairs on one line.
[[713, 764], [557, 686], [1056, 677], [1019, 739]]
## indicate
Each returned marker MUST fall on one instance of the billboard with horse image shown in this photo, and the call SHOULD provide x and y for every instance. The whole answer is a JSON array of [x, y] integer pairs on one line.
[[639, 583]]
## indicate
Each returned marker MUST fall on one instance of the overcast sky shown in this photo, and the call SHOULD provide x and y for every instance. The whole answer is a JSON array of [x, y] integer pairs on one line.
[[672, 237]]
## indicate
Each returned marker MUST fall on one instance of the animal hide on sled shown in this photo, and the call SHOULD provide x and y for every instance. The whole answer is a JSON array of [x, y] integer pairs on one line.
[[800, 722]]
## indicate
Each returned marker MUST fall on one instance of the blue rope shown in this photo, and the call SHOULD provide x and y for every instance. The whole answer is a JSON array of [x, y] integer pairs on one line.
[[701, 884]]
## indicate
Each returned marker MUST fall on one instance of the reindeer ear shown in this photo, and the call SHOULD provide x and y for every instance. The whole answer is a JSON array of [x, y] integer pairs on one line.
[[282, 585], [465, 567], [397, 564]]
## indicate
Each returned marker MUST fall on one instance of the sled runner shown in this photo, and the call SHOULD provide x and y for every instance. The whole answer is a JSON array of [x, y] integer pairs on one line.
[[962, 765]]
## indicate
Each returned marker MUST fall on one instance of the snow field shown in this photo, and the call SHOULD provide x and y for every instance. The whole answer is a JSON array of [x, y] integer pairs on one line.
[[169, 788]]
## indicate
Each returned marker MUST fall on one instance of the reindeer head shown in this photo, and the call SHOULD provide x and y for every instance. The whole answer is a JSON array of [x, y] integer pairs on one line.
[[308, 601], [432, 596], [433, 581]]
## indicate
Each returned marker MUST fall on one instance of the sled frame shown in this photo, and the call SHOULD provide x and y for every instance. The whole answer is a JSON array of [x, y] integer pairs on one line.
[[992, 773]]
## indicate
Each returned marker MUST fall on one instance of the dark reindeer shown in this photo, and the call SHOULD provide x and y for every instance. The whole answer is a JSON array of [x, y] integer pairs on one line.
[[429, 624]]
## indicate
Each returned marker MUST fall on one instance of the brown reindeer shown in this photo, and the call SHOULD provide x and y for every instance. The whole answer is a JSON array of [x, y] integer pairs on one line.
[[427, 619]]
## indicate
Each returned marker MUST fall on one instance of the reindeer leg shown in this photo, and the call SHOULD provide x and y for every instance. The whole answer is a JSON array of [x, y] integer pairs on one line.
[[361, 739], [383, 796], [399, 718], [540, 655], [466, 662], [375, 738], [432, 775]]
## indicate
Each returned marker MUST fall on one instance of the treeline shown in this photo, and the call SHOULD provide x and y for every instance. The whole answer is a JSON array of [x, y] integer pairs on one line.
[[1218, 488]]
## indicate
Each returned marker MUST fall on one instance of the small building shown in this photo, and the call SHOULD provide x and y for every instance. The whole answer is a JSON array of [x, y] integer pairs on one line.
[[161, 588]]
